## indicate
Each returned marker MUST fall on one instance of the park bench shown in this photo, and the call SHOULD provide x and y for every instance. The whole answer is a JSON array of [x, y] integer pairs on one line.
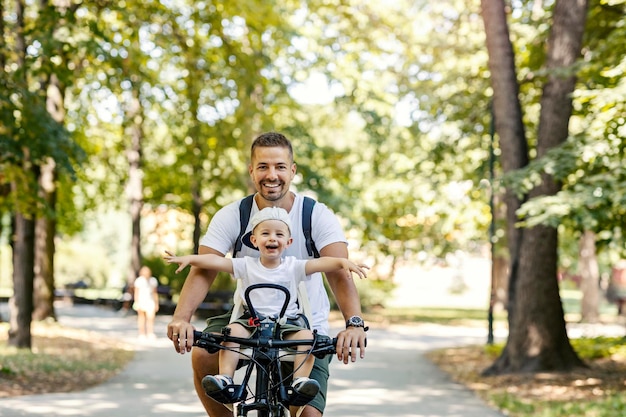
[[215, 303], [166, 303]]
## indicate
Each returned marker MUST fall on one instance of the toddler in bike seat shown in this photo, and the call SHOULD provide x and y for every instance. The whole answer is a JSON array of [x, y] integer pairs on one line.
[[271, 235]]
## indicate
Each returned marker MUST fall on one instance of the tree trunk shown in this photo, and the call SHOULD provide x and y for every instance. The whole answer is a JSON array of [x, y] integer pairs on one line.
[[500, 270], [45, 227], [537, 334], [23, 238], [590, 278], [196, 209], [507, 114], [21, 304], [195, 148], [135, 184]]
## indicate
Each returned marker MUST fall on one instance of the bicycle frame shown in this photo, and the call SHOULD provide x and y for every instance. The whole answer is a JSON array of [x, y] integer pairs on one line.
[[271, 395]]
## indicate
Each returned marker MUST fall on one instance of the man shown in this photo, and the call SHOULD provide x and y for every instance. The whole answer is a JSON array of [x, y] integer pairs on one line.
[[272, 169]]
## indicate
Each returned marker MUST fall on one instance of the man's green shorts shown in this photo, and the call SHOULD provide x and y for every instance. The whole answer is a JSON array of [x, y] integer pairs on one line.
[[320, 367]]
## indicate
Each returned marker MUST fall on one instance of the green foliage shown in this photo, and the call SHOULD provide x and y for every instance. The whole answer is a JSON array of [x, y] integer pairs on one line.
[[374, 293], [77, 261], [166, 274], [404, 163], [444, 316], [158, 267], [494, 350], [587, 348], [29, 135], [600, 347], [589, 165], [398, 146], [609, 406]]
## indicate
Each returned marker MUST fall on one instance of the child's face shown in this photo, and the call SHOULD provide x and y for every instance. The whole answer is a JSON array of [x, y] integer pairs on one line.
[[271, 237]]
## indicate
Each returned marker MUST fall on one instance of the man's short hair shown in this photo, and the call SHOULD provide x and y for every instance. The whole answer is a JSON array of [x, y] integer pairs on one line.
[[270, 139]]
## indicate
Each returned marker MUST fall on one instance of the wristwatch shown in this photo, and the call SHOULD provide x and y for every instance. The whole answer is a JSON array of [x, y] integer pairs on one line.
[[355, 321]]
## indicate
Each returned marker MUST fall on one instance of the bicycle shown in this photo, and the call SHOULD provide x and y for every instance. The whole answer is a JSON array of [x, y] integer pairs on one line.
[[264, 353]]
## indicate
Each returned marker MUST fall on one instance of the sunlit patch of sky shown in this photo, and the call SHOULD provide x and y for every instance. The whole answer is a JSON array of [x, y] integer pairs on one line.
[[106, 104], [315, 90]]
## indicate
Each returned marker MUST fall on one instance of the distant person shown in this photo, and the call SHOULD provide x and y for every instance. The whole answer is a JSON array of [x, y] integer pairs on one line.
[[271, 234], [146, 302]]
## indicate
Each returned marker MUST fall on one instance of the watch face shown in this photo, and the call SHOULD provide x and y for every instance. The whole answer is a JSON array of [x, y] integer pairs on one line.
[[355, 321]]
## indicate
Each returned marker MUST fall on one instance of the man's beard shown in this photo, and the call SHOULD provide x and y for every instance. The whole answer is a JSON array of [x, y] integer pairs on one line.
[[273, 194]]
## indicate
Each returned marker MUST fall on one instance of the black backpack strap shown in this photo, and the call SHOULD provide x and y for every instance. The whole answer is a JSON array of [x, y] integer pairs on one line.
[[245, 208], [307, 213]]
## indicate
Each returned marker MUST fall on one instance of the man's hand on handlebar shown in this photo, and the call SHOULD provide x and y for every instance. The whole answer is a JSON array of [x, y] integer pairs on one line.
[[180, 332], [349, 341]]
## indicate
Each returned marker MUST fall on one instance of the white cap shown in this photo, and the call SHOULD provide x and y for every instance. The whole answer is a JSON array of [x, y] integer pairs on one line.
[[271, 213]]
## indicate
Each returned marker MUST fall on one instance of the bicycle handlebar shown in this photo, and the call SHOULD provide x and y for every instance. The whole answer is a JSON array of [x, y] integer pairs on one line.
[[320, 345]]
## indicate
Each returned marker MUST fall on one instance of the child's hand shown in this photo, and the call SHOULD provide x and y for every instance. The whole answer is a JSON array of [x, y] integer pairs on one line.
[[182, 261], [360, 270]]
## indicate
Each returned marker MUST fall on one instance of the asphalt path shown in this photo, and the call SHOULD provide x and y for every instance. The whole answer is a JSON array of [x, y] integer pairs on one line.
[[394, 379]]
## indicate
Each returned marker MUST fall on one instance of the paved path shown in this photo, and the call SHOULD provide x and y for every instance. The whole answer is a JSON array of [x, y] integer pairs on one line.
[[394, 380]]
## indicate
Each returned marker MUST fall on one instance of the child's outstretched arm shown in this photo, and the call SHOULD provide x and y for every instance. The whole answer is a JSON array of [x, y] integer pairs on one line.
[[206, 261], [329, 264]]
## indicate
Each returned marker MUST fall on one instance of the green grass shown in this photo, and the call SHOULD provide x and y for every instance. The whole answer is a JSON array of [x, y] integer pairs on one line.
[[472, 316], [534, 396], [611, 406], [448, 316], [58, 363], [587, 348], [607, 400]]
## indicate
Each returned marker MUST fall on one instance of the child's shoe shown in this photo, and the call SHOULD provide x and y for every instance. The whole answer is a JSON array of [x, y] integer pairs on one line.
[[214, 383], [302, 391], [306, 386]]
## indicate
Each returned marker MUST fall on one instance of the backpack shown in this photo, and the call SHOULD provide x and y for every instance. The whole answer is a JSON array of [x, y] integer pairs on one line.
[[245, 207]]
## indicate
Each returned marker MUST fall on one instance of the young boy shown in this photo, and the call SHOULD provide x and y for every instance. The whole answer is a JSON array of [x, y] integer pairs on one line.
[[271, 234]]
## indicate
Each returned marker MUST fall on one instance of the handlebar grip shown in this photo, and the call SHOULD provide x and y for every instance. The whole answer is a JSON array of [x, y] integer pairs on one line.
[[324, 346], [207, 341]]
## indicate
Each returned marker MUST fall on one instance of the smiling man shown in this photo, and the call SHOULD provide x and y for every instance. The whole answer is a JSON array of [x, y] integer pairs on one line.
[[272, 168]]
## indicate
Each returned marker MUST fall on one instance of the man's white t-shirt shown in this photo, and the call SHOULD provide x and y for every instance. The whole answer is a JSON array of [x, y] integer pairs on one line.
[[325, 229]]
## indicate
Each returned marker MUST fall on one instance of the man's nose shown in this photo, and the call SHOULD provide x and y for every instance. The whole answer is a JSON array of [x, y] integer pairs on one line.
[[272, 173]]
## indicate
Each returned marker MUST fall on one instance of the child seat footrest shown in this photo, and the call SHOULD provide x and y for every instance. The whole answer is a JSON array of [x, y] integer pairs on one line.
[[229, 394], [298, 399]]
